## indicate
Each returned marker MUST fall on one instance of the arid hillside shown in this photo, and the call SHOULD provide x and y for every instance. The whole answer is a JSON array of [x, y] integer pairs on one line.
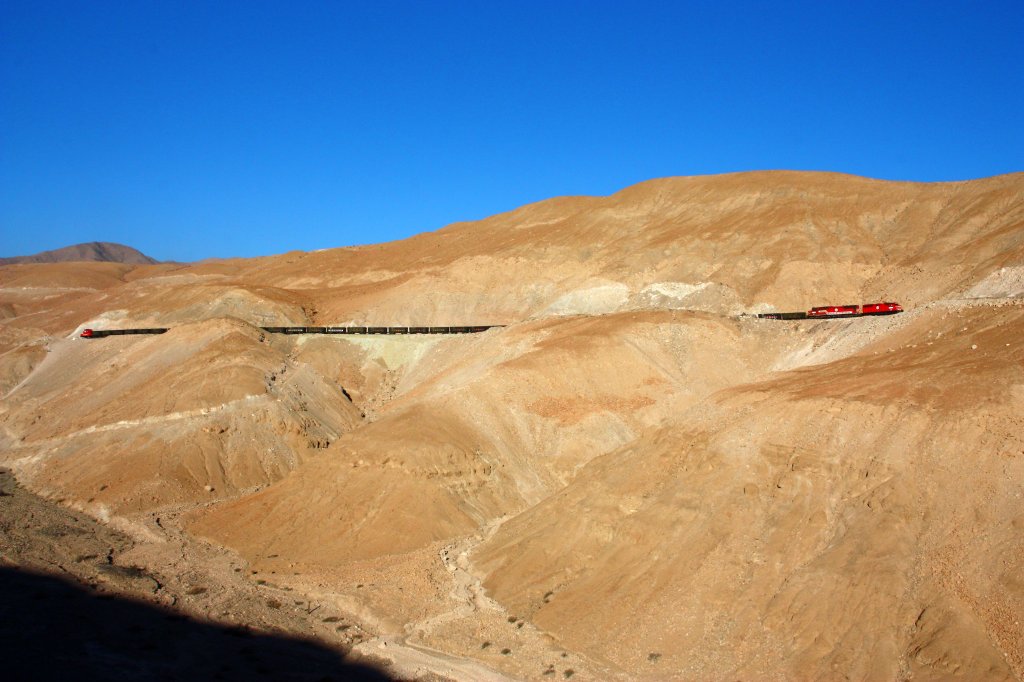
[[633, 479], [105, 252]]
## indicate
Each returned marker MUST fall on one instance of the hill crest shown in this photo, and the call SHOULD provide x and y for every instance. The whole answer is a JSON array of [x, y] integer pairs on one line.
[[103, 252]]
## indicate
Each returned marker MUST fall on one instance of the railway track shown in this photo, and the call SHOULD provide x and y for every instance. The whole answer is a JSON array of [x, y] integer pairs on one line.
[[819, 313], [356, 331], [836, 312]]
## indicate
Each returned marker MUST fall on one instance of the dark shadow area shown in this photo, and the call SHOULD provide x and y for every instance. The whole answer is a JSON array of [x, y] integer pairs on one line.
[[51, 629]]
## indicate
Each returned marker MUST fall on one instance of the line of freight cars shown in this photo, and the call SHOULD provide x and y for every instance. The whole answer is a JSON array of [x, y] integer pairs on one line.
[[380, 330], [827, 312], [833, 311], [100, 333]]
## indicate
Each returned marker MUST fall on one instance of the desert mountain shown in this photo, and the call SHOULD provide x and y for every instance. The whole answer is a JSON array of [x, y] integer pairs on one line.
[[632, 479], [104, 252]]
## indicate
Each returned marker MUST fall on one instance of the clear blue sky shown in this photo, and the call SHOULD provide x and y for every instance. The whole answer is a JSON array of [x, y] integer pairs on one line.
[[199, 129]]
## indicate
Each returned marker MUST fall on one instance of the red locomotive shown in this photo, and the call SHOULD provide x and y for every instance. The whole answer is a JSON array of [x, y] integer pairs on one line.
[[884, 308]]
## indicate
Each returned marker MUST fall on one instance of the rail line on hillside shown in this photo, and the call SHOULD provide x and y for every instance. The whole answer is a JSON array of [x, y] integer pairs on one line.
[[351, 331], [835, 312], [818, 313]]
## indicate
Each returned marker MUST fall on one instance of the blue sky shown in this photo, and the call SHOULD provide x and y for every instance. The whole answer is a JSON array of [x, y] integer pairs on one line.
[[201, 129]]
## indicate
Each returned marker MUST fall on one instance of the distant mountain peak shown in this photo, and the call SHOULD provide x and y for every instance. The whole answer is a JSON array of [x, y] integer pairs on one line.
[[107, 252]]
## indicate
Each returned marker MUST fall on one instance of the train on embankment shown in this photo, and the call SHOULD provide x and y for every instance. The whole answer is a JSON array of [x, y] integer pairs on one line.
[[475, 329], [820, 312], [837, 311]]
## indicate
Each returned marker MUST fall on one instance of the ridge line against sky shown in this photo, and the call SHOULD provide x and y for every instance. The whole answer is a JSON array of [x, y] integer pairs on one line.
[[221, 129]]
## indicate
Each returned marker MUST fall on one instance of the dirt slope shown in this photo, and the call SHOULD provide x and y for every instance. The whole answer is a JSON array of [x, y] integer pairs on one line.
[[809, 518], [199, 413], [629, 480]]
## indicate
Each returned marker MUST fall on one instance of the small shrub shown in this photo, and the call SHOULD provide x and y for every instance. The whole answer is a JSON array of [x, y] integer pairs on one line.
[[506, 652], [485, 645]]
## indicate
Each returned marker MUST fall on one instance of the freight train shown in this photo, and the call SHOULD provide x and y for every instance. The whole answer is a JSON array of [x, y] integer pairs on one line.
[[833, 311], [100, 333], [827, 311]]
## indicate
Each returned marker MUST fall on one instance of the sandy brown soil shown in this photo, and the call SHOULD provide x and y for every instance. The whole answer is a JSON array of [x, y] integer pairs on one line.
[[81, 599], [631, 480]]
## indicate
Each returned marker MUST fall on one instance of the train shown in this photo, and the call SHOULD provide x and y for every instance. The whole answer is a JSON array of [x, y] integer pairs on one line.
[[825, 311], [833, 311], [100, 333]]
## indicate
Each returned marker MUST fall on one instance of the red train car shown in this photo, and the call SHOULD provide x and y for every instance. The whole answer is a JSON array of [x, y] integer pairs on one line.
[[884, 308], [834, 311]]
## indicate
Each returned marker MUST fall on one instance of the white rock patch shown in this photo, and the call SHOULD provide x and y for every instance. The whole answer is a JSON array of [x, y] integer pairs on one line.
[[1005, 282], [606, 298], [674, 290]]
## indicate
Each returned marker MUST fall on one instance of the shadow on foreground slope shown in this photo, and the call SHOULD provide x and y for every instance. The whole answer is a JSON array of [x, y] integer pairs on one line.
[[51, 629]]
